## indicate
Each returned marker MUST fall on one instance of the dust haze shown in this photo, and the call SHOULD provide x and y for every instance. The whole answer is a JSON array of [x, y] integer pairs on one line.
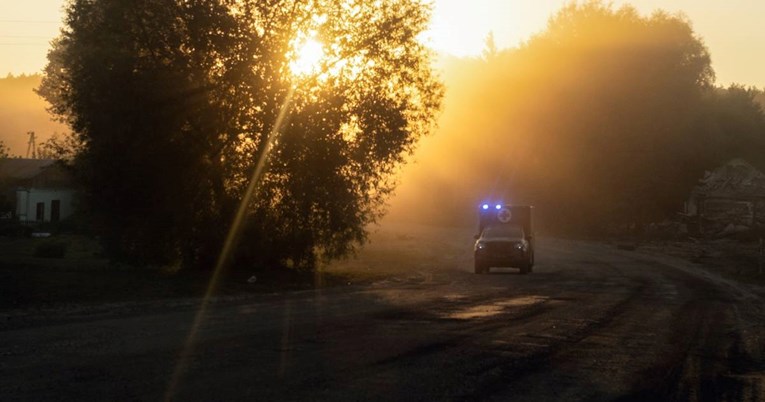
[[605, 120], [21, 111]]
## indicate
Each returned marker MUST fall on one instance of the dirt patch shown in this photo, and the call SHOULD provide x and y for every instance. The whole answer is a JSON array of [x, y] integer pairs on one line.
[[737, 260]]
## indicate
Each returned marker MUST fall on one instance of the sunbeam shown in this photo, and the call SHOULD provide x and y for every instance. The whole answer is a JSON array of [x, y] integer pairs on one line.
[[228, 246]]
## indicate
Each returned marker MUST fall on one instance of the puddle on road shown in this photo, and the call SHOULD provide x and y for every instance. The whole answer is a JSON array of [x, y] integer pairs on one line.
[[495, 308]]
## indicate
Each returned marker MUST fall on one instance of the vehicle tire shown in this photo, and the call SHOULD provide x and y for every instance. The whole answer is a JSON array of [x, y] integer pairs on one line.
[[525, 269], [480, 268]]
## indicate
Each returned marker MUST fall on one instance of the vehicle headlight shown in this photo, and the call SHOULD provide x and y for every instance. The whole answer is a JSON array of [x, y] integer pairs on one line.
[[480, 246], [518, 246]]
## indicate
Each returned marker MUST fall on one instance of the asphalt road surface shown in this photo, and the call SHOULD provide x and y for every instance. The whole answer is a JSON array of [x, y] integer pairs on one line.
[[591, 323]]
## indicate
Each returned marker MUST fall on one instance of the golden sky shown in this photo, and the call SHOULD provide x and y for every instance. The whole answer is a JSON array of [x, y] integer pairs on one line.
[[731, 29]]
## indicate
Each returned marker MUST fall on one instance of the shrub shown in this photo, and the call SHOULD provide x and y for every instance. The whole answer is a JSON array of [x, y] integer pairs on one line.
[[14, 229], [51, 249]]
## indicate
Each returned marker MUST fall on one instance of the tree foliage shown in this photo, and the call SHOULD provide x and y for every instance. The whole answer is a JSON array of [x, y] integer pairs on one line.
[[62, 147], [607, 118], [618, 111], [171, 102], [730, 124]]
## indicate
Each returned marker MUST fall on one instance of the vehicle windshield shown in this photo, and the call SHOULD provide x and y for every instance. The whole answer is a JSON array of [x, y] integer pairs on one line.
[[502, 231]]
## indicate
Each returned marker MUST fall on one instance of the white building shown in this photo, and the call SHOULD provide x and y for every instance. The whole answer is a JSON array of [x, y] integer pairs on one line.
[[35, 190]]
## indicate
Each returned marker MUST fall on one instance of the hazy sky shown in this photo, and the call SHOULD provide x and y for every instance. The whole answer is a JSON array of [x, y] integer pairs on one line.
[[731, 29]]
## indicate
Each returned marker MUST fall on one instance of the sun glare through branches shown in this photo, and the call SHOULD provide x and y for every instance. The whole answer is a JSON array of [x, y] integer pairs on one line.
[[308, 56]]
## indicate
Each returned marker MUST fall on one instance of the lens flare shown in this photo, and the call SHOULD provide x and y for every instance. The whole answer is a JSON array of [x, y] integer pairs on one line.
[[228, 246]]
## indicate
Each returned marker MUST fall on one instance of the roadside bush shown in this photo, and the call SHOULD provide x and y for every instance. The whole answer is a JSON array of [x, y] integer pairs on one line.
[[51, 249], [14, 229], [78, 223]]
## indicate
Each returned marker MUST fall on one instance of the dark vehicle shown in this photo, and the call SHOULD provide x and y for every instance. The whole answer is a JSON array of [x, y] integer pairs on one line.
[[505, 238]]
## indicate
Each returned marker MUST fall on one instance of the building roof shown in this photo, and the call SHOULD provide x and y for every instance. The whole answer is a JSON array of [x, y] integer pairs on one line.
[[23, 169]]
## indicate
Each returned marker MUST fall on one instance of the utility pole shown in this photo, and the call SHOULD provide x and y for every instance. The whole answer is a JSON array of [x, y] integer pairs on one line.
[[31, 145]]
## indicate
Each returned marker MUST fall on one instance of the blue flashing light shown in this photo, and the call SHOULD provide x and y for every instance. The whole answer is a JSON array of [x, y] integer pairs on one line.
[[498, 207], [485, 206]]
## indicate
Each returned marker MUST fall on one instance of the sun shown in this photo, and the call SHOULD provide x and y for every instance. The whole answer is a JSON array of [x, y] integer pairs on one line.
[[460, 27], [308, 57]]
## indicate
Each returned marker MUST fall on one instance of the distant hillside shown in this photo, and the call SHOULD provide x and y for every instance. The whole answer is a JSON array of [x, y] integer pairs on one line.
[[21, 110]]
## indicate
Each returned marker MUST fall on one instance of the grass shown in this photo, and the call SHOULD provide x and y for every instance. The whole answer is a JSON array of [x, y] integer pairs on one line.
[[70, 269], [40, 272], [407, 250]]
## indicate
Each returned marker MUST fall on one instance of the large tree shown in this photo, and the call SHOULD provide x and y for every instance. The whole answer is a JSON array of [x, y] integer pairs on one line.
[[172, 102], [622, 93]]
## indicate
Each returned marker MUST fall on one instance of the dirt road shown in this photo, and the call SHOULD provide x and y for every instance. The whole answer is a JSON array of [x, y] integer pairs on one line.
[[591, 323]]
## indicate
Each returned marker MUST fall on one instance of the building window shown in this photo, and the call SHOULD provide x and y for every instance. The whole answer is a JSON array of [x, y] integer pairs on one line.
[[40, 216], [55, 210]]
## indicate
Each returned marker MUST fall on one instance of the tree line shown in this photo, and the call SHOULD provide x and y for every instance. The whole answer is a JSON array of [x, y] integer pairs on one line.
[[604, 121]]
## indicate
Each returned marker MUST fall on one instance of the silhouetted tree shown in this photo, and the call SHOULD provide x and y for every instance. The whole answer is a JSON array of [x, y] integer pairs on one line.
[[760, 98], [63, 147], [171, 102], [731, 124], [490, 47], [622, 92]]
